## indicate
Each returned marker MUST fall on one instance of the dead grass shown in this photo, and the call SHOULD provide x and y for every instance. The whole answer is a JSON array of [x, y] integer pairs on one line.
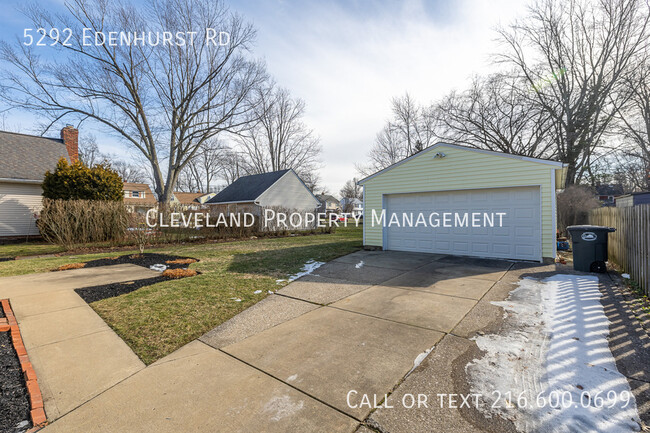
[[70, 266]]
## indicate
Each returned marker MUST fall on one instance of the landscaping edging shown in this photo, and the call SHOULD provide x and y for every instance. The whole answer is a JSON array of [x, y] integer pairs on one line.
[[9, 324]]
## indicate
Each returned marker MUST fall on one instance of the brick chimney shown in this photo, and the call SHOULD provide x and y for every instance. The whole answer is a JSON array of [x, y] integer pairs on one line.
[[70, 137]]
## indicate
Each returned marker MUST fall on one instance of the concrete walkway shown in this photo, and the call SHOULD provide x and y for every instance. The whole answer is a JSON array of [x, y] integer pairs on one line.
[[303, 359], [76, 356]]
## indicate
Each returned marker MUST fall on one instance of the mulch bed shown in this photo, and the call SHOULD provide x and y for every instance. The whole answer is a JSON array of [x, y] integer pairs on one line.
[[97, 293], [145, 260], [14, 400]]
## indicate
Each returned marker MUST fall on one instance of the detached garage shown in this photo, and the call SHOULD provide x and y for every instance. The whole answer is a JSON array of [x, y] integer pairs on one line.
[[451, 199]]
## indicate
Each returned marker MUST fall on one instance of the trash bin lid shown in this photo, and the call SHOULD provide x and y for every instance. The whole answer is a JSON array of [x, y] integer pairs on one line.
[[591, 228]]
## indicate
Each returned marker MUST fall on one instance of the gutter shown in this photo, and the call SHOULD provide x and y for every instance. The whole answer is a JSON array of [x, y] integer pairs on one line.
[[13, 180]]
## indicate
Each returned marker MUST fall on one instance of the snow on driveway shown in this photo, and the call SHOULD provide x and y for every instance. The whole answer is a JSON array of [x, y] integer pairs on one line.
[[551, 369], [310, 266]]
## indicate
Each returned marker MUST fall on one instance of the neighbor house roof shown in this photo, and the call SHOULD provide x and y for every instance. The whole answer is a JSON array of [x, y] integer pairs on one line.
[[27, 157], [247, 188], [472, 149], [325, 197], [148, 199], [188, 197]]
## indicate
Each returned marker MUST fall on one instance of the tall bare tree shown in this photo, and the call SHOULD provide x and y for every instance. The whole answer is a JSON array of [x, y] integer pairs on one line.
[[163, 99], [495, 113], [573, 54], [278, 138], [351, 190], [205, 167], [410, 129]]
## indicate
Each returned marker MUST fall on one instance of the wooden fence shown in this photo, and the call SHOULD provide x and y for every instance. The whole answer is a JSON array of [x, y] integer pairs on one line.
[[629, 246]]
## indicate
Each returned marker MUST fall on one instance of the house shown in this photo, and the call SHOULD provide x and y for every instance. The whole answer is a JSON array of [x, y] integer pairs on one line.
[[24, 159], [281, 189], [190, 200], [607, 193], [633, 199], [328, 204], [138, 197], [460, 191], [353, 206]]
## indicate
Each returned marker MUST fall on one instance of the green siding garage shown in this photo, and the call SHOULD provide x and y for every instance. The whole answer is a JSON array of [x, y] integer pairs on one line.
[[451, 199]]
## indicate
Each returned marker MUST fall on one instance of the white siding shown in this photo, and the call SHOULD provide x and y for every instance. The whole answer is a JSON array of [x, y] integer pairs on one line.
[[18, 203], [288, 192]]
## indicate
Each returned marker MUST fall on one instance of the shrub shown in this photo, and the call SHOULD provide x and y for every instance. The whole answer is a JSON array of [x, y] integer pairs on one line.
[[573, 206], [74, 222], [78, 182], [179, 273], [70, 266]]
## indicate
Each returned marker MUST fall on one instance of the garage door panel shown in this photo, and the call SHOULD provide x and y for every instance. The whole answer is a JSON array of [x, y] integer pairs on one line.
[[518, 238]]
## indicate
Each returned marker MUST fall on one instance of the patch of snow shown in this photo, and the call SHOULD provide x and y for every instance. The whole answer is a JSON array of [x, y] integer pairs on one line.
[[626, 276], [359, 265], [282, 407], [257, 292], [418, 359], [279, 281], [159, 267], [292, 378], [554, 347], [271, 292], [310, 266], [236, 299]]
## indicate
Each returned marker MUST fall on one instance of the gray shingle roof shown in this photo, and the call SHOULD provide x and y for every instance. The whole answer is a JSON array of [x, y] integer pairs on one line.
[[247, 188], [28, 157]]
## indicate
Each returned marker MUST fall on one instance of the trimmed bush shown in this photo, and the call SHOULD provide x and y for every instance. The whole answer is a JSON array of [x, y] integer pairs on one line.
[[179, 273], [78, 182], [74, 222]]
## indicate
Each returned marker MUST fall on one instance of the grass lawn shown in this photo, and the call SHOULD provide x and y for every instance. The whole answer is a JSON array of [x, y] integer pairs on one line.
[[28, 249], [156, 320]]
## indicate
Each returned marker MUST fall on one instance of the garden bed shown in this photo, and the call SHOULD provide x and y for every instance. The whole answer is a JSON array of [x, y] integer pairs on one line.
[[97, 293], [14, 400]]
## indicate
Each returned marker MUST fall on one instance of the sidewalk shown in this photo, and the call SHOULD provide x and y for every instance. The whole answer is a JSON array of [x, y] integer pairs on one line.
[[75, 354]]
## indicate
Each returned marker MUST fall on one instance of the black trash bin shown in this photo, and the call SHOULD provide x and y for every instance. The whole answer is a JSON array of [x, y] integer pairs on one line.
[[589, 247]]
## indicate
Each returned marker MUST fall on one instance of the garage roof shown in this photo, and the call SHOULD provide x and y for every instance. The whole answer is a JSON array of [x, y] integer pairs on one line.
[[472, 149]]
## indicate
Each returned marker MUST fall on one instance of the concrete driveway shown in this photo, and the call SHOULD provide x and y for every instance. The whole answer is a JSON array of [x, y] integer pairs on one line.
[[319, 354]]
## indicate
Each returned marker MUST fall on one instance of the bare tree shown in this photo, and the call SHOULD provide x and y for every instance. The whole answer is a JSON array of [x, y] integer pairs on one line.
[[495, 113], [573, 54], [351, 190], [89, 151], [634, 121], [204, 168], [231, 165], [129, 172], [278, 138], [410, 130], [163, 99]]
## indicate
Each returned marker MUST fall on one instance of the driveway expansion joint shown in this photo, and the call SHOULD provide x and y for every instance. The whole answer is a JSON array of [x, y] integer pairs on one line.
[[290, 385]]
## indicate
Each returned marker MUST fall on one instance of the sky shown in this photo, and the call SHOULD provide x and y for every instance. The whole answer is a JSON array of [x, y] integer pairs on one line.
[[346, 60]]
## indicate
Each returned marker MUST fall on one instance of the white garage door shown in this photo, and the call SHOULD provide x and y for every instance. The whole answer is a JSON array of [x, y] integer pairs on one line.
[[519, 236]]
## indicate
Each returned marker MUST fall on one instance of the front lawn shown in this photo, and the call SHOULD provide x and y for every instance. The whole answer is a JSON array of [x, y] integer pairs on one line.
[[156, 320]]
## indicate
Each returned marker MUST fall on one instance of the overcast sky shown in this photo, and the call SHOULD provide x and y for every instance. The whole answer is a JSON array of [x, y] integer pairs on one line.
[[347, 59]]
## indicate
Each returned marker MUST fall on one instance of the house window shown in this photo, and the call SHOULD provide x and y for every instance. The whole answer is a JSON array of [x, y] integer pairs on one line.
[[135, 193]]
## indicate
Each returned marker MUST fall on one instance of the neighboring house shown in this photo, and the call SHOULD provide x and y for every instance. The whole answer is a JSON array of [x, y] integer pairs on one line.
[[353, 206], [138, 197], [24, 159], [282, 189], [633, 199], [607, 193], [327, 203], [191, 200], [447, 178]]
